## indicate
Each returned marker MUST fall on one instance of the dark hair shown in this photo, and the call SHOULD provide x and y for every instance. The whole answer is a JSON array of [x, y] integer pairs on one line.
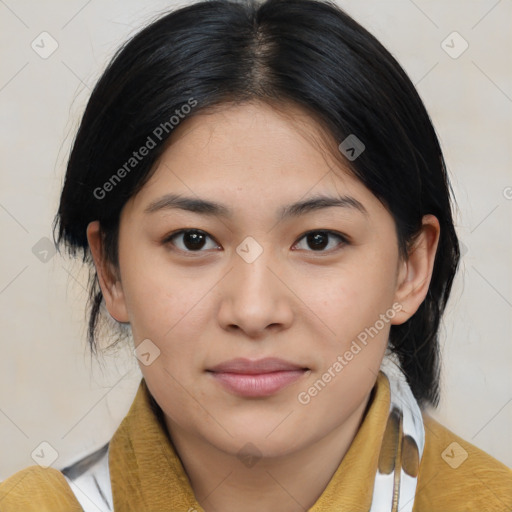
[[306, 52]]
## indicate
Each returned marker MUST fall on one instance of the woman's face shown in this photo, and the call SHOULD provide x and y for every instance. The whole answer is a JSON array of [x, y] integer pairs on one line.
[[252, 284]]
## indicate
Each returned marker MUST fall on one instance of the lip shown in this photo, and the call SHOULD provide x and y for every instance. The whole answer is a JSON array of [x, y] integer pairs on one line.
[[257, 378]]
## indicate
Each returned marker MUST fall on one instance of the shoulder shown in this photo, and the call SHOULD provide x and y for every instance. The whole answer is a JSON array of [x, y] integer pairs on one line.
[[455, 475], [37, 489]]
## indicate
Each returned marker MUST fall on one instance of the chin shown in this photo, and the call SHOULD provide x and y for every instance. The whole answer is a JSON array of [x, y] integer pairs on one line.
[[257, 442]]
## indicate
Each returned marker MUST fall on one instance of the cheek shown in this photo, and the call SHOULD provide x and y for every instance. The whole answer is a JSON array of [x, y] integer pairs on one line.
[[156, 299], [171, 310], [352, 296]]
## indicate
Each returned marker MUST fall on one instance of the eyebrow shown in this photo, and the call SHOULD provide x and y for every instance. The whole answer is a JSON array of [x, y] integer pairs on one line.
[[212, 208]]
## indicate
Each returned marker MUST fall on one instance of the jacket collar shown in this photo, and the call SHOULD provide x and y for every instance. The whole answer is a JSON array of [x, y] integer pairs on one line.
[[147, 474]]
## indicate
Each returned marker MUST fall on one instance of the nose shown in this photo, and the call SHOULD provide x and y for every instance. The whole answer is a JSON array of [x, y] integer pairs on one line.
[[255, 298]]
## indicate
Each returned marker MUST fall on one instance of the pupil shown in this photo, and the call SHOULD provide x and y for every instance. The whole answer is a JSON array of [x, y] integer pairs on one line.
[[318, 240], [193, 240]]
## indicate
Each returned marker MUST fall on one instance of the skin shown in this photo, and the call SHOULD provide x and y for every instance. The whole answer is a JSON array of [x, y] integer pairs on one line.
[[293, 301]]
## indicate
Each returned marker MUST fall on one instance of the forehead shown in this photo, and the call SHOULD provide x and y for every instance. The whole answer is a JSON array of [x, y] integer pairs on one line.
[[252, 156]]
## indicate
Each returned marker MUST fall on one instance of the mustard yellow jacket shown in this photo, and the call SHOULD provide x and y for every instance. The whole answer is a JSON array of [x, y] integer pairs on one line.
[[147, 475]]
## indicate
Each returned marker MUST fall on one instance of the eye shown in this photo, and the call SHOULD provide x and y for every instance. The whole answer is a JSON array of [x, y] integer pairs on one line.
[[189, 240], [195, 240], [319, 240]]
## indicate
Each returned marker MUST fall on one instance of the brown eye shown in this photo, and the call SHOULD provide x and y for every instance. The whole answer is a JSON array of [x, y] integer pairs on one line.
[[318, 240], [190, 240]]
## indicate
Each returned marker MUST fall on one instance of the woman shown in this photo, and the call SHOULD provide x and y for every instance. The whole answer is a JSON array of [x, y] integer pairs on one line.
[[262, 199]]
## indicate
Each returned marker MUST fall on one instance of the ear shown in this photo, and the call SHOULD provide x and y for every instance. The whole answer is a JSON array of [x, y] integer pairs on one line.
[[108, 276], [415, 273]]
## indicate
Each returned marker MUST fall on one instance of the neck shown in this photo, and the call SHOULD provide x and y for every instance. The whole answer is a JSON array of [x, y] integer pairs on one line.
[[223, 483]]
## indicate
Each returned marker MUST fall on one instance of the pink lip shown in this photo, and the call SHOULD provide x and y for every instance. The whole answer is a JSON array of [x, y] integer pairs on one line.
[[260, 378]]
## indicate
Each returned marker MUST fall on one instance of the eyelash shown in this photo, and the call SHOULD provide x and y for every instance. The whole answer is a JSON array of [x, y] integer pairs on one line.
[[344, 241]]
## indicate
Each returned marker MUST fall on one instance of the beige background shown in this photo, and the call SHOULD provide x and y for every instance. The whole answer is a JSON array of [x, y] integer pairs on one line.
[[49, 389]]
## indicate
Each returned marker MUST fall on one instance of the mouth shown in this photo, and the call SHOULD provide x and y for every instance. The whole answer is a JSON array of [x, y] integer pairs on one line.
[[260, 378]]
